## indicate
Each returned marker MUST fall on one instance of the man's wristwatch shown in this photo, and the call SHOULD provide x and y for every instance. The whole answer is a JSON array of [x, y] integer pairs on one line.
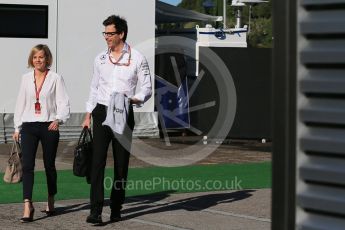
[[59, 121]]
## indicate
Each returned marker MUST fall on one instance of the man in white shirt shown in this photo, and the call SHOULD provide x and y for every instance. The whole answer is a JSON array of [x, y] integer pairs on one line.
[[117, 69]]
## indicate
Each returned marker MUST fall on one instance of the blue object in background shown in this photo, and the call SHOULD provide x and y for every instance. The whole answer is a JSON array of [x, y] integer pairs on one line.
[[172, 2], [172, 103]]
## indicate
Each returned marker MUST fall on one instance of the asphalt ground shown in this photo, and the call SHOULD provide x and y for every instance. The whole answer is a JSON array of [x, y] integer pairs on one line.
[[231, 209]]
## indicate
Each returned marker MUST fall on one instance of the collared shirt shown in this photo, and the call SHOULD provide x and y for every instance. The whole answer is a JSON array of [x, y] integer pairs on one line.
[[53, 99], [133, 80]]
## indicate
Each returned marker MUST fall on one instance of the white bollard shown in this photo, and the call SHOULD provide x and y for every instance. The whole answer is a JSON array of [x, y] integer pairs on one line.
[[204, 140]]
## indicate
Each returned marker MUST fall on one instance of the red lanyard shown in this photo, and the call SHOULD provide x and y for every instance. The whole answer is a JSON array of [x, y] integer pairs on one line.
[[122, 64], [39, 88]]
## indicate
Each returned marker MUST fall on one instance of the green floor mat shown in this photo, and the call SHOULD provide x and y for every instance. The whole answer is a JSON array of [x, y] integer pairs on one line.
[[141, 181]]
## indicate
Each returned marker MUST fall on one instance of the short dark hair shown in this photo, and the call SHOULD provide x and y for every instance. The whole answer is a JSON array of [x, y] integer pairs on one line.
[[120, 24]]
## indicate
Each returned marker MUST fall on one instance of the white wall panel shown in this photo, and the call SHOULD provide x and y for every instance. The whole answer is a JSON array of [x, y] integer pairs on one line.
[[15, 51], [80, 40]]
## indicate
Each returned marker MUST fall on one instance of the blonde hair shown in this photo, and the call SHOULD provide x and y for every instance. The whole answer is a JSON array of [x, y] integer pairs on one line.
[[48, 55]]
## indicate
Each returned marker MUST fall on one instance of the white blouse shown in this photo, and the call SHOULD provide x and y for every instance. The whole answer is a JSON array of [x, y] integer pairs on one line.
[[133, 80], [53, 99]]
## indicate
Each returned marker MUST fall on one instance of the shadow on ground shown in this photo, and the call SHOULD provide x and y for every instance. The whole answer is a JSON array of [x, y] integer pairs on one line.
[[152, 203]]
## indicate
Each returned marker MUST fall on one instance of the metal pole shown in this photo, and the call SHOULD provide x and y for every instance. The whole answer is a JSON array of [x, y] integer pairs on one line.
[[238, 18], [250, 15], [224, 14], [3, 121], [284, 91]]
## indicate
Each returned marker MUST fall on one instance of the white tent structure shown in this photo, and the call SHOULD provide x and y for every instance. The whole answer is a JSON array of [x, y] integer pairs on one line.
[[72, 29]]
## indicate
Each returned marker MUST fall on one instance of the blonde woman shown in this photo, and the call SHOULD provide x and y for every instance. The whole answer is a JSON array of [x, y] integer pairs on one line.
[[42, 105]]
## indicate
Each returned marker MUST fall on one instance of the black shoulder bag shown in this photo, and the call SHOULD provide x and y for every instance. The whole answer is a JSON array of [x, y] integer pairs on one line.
[[83, 155]]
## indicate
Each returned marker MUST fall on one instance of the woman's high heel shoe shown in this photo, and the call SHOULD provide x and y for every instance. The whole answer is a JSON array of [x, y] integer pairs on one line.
[[48, 213], [31, 216], [50, 204]]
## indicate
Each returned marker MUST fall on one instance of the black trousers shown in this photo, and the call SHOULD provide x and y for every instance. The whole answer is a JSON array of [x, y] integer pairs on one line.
[[31, 134], [121, 144]]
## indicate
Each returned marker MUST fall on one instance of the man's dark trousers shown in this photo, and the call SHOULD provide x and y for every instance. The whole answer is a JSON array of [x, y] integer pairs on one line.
[[102, 136]]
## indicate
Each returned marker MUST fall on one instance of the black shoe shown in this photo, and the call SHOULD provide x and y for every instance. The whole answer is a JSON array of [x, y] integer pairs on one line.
[[48, 213], [26, 219], [115, 216], [30, 218], [94, 219]]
